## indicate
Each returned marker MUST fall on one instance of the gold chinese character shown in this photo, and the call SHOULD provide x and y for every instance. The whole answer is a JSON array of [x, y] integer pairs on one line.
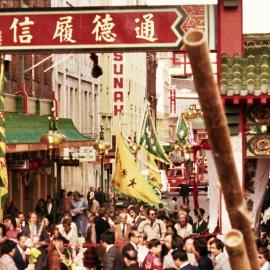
[[64, 29], [103, 29], [23, 28], [147, 28]]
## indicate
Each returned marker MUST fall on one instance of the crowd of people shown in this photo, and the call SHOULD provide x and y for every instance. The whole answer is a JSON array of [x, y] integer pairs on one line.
[[86, 236]]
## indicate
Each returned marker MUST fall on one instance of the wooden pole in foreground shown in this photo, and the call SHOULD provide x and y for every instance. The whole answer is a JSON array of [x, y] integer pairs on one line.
[[219, 138], [236, 249]]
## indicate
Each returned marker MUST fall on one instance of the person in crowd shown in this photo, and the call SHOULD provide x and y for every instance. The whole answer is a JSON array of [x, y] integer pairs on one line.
[[200, 226], [134, 239], [78, 207], [130, 259], [122, 229], [90, 196], [204, 261], [263, 258], [90, 255], [12, 210], [136, 219], [181, 261], [11, 227], [152, 260], [41, 209], [3, 231], [67, 201], [102, 223], [142, 210], [184, 192], [221, 261], [21, 222], [190, 250], [173, 208], [95, 207], [50, 209], [168, 259], [8, 248], [185, 208], [38, 237], [68, 232], [183, 228], [113, 257], [20, 257], [153, 227], [101, 197], [56, 251], [142, 248]]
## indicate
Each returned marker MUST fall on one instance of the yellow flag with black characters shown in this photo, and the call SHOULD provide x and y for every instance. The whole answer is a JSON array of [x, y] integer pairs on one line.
[[127, 177], [3, 167]]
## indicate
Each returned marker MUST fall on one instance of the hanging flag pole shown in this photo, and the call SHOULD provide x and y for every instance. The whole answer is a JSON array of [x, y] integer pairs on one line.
[[3, 167]]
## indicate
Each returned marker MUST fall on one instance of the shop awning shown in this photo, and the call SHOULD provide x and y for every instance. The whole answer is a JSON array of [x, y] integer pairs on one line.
[[23, 133]]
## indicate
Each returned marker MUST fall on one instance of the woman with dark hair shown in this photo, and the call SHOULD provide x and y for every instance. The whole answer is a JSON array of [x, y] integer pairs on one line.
[[204, 262], [11, 227], [152, 260]]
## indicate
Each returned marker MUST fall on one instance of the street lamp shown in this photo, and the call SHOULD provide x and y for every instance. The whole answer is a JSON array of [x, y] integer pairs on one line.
[[101, 147], [53, 139]]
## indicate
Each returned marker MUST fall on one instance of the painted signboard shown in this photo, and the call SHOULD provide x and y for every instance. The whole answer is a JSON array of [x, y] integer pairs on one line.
[[95, 29]]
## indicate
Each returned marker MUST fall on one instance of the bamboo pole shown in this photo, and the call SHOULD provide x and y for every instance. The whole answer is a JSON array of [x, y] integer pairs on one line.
[[219, 138], [236, 249]]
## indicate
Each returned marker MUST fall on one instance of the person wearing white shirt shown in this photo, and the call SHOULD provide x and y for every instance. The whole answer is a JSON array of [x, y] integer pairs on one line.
[[263, 257], [142, 248], [183, 228]]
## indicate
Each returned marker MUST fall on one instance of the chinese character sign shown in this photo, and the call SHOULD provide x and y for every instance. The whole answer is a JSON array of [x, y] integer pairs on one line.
[[97, 29]]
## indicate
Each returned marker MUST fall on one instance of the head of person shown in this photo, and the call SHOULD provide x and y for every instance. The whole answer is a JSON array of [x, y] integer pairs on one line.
[[21, 217], [123, 218], [154, 246], [177, 243], [133, 212], [66, 225], [134, 237], [263, 257], [143, 239], [56, 233], [130, 257], [33, 218], [152, 214], [179, 257], [199, 213], [168, 241], [209, 241], [182, 219], [171, 230], [200, 246], [92, 189], [70, 194], [76, 195], [8, 247], [189, 244], [142, 209], [9, 222], [107, 238], [174, 199], [99, 189], [216, 247], [21, 240]]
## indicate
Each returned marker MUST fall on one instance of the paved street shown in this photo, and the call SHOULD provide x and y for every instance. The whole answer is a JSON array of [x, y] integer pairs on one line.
[[203, 201]]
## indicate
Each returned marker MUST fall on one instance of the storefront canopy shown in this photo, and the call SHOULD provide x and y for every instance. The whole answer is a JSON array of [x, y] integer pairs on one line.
[[23, 133]]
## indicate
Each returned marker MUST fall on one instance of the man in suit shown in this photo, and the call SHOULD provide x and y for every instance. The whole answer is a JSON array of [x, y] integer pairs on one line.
[[200, 226], [134, 238], [122, 229], [113, 256], [20, 258], [130, 259], [221, 261], [181, 261]]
